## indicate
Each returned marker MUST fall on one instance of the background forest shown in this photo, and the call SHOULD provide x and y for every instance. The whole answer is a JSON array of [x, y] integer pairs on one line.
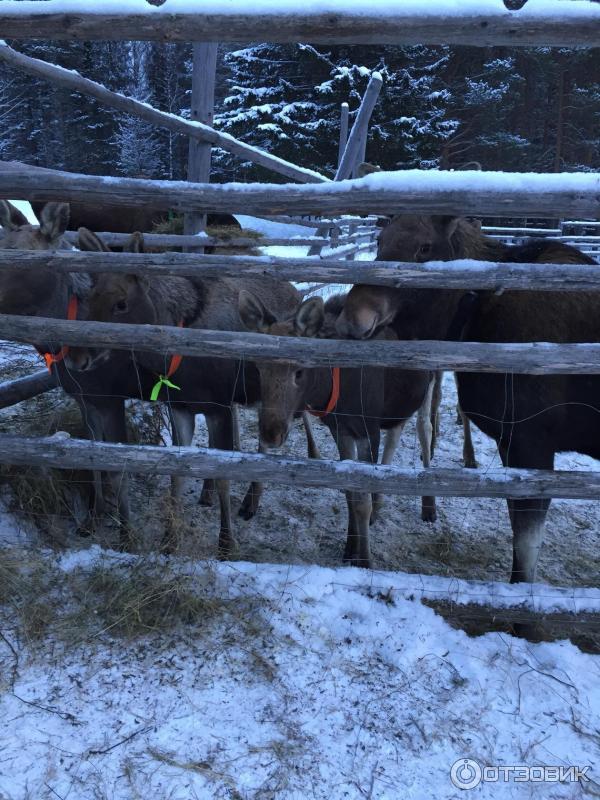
[[526, 109]]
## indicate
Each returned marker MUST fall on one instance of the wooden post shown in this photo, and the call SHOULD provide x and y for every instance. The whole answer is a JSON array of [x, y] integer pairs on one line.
[[360, 127], [344, 116], [351, 150], [202, 110]]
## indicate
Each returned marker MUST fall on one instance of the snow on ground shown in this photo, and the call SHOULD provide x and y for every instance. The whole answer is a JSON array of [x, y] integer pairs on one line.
[[338, 692]]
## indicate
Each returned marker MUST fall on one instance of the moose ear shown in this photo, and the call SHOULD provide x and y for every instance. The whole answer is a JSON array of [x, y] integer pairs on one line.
[[446, 225], [254, 315], [10, 217], [309, 318], [365, 169], [135, 243], [138, 280], [88, 241], [54, 220]]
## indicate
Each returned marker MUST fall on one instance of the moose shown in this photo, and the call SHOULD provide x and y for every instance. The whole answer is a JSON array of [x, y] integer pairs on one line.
[[531, 418], [124, 219], [206, 385], [356, 404], [100, 393]]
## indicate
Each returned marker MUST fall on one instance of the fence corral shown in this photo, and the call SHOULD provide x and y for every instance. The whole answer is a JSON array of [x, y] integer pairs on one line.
[[481, 194]]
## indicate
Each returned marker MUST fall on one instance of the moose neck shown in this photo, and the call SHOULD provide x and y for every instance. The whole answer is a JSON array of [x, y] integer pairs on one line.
[[318, 389]]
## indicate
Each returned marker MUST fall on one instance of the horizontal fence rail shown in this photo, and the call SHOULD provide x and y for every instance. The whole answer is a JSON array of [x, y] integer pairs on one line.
[[537, 358], [198, 462], [192, 240], [462, 274], [410, 191], [541, 22], [15, 391]]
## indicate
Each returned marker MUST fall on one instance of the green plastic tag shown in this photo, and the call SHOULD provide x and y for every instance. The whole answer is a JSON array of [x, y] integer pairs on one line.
[[162, 381]]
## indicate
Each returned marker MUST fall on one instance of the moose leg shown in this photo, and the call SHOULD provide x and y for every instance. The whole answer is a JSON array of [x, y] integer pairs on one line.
[[313, 447], [92, 421], [252, 497], [425, 432], [105, 421], [207, 495], [392, 437], [114, 429], [469, 459], [357, 551], [436, 401], [222, 426], [183, 423], [527, 516]]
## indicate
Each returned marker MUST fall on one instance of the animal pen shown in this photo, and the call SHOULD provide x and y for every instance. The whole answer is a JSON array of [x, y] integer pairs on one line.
[[343, 229]]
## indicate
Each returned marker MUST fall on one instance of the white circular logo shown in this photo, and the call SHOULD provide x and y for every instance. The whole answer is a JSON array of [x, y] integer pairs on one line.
[[466, 773]]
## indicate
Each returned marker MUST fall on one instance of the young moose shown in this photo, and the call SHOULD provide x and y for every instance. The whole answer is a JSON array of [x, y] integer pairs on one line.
[[207, 386], [531, 417], [370, 399], [100, 393]]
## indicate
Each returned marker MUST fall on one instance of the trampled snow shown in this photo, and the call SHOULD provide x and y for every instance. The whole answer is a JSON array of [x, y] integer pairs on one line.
[[347, 690]]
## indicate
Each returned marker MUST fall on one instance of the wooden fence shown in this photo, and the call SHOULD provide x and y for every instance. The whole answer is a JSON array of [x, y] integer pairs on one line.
[[379, 22], [476, 193]]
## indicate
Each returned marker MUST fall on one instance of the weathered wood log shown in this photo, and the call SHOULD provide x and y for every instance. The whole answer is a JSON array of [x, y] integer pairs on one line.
[[537, 358], [194, 129], [476, 275], [360, 127], [344, 119], [538, 24], [491, 615], [181, 240], [407, 191], [202, 110], [61, 450], [20, 389], [349, 156]]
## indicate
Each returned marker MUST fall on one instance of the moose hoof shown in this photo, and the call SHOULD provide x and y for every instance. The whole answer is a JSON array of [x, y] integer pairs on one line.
[[249, 507], [226, 549], [364, 563], [470, 463], [429, 514]]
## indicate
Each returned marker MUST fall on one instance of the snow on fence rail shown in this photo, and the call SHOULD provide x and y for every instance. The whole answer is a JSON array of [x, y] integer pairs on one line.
[[196, 240], [475, 193], [476, 22], [61, 450], [535, 358]]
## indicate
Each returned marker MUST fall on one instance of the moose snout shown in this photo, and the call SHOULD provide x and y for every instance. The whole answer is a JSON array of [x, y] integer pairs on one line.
[[79, 358], [273, 433]]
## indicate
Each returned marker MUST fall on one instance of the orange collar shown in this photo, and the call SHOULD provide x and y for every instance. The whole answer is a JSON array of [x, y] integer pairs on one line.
[[333, 398], [54, 358], [175, 360]]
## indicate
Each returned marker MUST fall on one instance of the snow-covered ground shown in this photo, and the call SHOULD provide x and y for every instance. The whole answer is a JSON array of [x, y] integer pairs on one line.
[[304, 682]]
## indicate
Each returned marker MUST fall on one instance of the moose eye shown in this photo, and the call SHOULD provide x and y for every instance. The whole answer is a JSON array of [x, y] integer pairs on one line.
[[425, 249], [120, 307], [298, 375]]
